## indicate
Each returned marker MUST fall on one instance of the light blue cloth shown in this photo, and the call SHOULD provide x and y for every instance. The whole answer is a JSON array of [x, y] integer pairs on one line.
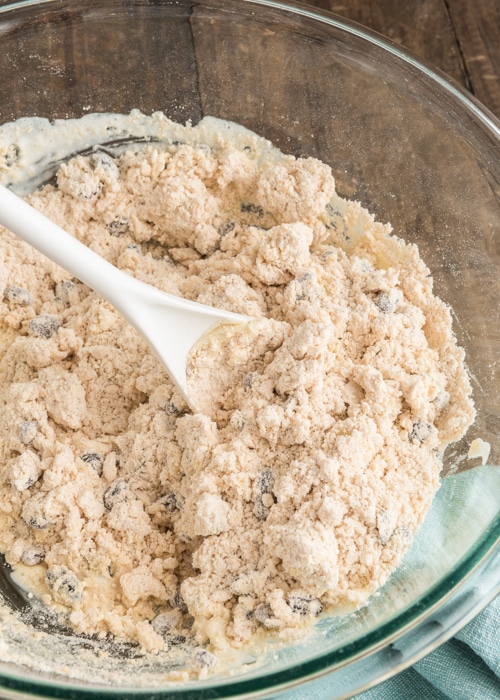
[[465, 668]]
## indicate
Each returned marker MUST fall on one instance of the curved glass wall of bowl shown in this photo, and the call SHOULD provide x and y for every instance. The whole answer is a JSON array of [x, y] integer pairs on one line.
[[403, 140], [440, 626]]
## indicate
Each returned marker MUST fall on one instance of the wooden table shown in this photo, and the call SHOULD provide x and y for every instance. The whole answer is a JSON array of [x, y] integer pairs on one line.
[[461, 37]]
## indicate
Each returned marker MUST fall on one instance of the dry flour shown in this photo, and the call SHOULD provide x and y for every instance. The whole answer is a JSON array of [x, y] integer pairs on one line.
[[299, 485]]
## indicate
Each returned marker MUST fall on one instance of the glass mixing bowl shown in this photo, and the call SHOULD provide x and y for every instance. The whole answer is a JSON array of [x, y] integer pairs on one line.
[[415, 150]]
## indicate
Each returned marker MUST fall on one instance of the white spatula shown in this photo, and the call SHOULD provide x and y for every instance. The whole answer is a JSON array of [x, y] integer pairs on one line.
[[171, 325]]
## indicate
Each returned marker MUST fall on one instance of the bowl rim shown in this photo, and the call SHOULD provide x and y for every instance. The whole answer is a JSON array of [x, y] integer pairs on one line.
[[451, 85], [291, 677]]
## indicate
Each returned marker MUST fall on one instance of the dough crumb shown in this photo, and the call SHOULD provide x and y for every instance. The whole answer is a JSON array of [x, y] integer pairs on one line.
[[479, 448]]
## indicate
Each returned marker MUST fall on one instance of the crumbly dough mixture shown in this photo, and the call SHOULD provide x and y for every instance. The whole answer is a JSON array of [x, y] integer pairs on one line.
[[299, 485]]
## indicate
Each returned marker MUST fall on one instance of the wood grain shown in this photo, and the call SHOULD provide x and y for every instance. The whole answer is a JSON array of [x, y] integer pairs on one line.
[[460, 37], [255, 88], [477, 29], [423, 27], [77, 55]]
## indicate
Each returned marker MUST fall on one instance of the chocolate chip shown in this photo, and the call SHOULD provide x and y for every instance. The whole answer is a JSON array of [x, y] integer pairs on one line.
[[64, 584], [264, 487], [18, 295], [11, 155], [263, 613], [104, 161], [33, 556], [118, 492], [37, 521], [237, 420], [305, 605], [226, 228], [305, 288], [179, 603], [385, 303], [420, 431], [88, 189], [63, 291], [205, 659], [33, 515], [165, 622], [168, 260], [27, 431], [266, 481], [119, 227], [25, 482], [171, 409], [134, 247], [44, 326], [248, 380], [260, 510], [170, 502], [26, 469], [94, 459], [324, 256], [249, 208]]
